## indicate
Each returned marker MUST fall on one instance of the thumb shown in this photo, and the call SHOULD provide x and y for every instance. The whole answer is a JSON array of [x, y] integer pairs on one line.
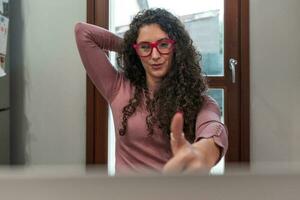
[[177, 136], [177, 125]]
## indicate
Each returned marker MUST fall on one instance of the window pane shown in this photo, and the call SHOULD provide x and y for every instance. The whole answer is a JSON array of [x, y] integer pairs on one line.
[[206, 31], [218, 95]]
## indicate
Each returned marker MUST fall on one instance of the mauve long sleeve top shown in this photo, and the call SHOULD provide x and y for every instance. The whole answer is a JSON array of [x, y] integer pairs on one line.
[[136, 149]]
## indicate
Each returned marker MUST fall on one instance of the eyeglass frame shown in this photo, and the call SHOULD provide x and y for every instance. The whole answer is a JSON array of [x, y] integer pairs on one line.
[[154, 45]]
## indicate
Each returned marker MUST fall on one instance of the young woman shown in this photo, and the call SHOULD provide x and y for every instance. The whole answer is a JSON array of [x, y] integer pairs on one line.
[[163, 118]]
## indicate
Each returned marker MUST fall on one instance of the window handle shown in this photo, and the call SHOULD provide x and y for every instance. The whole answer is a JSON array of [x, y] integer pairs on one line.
[[232, 63]]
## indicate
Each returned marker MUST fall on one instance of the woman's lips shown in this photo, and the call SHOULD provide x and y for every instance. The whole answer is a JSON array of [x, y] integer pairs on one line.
[[157, 66]]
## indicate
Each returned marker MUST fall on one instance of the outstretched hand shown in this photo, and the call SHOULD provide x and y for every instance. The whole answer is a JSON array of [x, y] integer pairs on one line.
[[186, 157]]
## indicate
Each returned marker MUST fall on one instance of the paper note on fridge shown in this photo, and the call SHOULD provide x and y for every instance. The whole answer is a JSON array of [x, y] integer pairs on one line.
[[1, 7], [3, 34], [2, 72]]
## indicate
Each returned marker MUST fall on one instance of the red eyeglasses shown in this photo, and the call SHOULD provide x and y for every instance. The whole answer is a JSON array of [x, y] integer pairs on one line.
[[163, 46]]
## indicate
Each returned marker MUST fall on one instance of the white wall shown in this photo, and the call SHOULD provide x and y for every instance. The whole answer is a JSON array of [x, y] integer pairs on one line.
[[275, 80], [47, 82]]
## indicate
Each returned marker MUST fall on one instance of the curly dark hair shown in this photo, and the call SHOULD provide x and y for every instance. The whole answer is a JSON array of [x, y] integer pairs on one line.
[[182, 89]]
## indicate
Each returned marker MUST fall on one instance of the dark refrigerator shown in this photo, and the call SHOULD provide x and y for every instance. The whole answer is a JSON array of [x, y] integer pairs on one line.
[[4, 119], [4, 85]]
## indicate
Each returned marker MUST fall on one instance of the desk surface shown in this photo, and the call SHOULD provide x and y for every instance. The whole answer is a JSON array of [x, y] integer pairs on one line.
[[43, 183]]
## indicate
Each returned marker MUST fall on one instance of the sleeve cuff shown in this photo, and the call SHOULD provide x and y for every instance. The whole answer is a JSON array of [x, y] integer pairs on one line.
[[215, 130]]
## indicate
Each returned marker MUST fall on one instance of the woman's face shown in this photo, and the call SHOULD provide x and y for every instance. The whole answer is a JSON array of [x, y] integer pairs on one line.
[[156, 64]]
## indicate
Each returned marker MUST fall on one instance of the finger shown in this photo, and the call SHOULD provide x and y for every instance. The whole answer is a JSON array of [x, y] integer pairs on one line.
[[177, 125], [177, 144], [177, 136]]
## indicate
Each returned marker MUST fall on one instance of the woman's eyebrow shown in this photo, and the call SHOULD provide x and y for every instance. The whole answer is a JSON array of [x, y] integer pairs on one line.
[[165, 38]]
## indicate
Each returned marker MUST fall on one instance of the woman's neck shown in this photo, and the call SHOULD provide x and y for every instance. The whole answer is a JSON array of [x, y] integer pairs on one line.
[[152, 85]]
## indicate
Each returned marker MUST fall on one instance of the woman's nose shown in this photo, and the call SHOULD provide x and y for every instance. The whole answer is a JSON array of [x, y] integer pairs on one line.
[[155, 53]]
